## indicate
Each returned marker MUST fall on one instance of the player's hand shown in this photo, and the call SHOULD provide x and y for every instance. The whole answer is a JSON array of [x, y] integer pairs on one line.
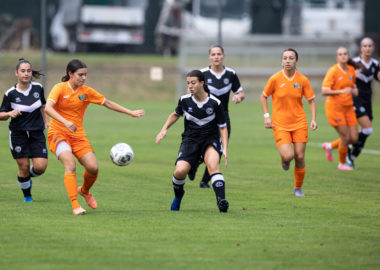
[[236, 99], [355, 91], [137, 113], [47, 124], [160, 136], [71, 126], [268, 122], [225, 158], [313, 125], [14, 113]]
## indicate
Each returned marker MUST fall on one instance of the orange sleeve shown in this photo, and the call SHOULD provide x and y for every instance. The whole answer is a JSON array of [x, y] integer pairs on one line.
[[269, 87], [307, 90], [55, 93], [95, 97], [329, 79]]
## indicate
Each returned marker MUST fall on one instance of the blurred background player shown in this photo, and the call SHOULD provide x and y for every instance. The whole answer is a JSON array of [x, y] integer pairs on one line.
[[205, 135], [25, 103], [221, 81], [66, 105], [289, 124], [339, 86]]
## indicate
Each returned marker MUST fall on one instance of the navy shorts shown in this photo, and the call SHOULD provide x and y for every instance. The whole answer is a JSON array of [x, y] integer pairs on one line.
[[28, 144], [193, 151], [363, 109]]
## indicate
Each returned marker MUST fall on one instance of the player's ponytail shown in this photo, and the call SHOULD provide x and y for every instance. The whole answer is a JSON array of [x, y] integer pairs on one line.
[[72, 66], [201, 77], [35, 73]]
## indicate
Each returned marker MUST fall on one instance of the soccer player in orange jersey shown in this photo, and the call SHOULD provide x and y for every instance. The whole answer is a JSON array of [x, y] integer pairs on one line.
[[66, 105], [339, 86], [289, 124]]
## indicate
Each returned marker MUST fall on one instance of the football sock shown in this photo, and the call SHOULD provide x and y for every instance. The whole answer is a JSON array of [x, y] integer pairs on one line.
[[33, 173], [206, 176], [335, 144], [218, 185], [299, 175], [25, 185], [358, 147], [342, 153], [178, 187], [88, 181], [71, 188]]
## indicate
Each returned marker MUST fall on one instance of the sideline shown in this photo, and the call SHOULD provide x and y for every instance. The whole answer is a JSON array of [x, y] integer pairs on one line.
[[366, 151]]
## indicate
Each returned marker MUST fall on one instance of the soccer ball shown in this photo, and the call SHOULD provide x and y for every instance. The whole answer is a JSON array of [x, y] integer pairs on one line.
[[121, 154]]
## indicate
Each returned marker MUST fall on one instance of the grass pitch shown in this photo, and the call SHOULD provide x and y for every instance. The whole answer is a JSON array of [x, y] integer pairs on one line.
[[335, 226]]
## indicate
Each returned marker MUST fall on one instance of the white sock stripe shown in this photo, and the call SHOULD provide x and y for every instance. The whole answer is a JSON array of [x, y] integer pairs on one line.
[[179, 182], [24, 185], [217, 177], [31, 171], [367, 131]]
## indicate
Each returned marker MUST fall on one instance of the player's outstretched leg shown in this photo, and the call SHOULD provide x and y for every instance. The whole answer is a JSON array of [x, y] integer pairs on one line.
[[218, 185], [178, 193], [205, 180]]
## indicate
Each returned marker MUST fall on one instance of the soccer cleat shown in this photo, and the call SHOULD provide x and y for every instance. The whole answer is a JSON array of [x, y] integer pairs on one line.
[[176, 204], [345, 167], [328, 152], [223, 205], [89, 198], [298, 192], [79, 211], [285, 165], [203, 185], [349, 161], [28, 199]]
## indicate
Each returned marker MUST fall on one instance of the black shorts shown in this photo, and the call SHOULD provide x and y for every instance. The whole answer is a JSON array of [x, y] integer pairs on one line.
[[28, 144], [193, 151], [363, 109]]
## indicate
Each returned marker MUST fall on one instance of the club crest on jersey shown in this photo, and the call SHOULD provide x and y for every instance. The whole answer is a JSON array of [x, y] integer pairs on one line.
[[209, 110], [296, 85], [82, 97], [226, 81], [350, 78], [36, 95]]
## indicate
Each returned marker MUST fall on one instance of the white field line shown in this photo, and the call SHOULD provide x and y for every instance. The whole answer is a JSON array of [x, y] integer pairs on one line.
[[366, 151]]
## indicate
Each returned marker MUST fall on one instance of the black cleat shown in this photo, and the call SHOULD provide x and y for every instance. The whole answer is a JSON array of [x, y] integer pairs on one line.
[[203, 185], [223, 205]]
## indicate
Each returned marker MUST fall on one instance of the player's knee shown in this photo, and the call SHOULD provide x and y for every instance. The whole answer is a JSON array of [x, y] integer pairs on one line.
[[39, 169], [299, 157], [93, 170], [367, 131]]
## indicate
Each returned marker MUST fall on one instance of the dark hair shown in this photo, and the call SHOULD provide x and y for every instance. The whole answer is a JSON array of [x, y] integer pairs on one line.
[[35, 73], [73, 66], [200, 76], [291, 50], [353, 63], [215, 46]]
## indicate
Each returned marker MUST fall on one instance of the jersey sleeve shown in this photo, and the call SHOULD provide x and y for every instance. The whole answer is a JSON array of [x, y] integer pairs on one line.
[[43, 100], [55, 93], [377, 70], [220, 116], [6, 105], [269, 87], [236, 86], [95, 97], [329, 79], [178, 110], [307, 89]]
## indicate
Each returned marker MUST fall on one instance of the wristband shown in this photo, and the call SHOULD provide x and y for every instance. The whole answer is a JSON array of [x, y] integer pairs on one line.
[[266, 115]]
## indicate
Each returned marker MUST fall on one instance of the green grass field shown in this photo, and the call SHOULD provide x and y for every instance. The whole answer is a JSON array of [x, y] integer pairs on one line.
[[335, 226]]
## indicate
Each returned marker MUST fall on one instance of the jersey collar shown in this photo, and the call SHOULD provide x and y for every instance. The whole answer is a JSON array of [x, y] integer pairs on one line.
[[289, 79]]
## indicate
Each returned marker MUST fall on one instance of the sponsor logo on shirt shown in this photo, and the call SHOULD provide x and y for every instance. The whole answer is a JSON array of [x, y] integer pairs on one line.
[[67, 96], [282, 85]]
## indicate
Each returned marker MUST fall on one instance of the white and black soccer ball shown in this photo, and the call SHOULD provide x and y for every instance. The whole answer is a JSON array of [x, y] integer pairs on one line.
[[121, 154]]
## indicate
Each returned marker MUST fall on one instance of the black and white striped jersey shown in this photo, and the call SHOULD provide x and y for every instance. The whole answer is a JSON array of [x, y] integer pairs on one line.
[[368, 71], [202, 120], [29, 103], [222, 84]]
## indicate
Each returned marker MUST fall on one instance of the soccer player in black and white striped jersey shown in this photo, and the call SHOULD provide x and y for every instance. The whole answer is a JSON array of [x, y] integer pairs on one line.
[[24, 104], [205, 136], [367, 70], [221, 81]]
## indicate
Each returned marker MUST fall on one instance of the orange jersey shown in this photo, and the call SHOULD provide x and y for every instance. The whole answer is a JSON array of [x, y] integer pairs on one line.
[[287, 94], [337, 79], [71, 105]]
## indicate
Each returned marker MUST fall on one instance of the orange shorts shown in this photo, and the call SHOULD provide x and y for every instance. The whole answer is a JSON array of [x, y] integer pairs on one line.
[[339, 115], [79, 146], [287, 137]]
